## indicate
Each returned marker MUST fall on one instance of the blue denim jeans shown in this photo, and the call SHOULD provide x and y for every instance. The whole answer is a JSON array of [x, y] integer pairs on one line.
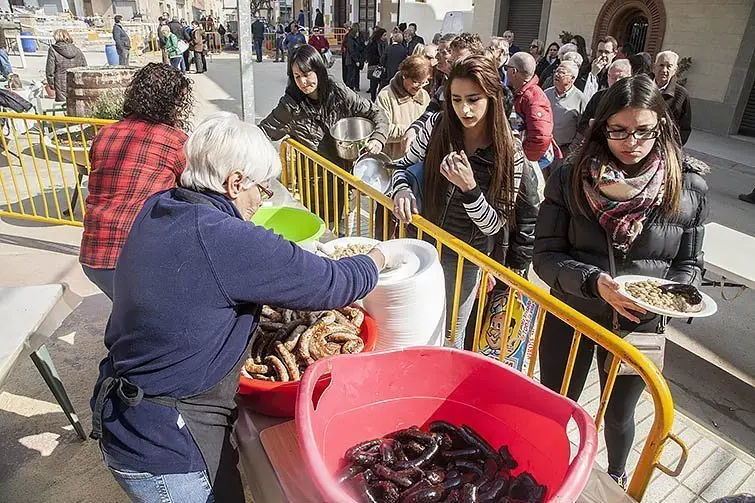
[[143, 487], [258, 49]]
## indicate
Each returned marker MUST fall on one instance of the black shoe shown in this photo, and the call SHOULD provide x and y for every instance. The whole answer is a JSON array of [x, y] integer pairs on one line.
[[748, 198]]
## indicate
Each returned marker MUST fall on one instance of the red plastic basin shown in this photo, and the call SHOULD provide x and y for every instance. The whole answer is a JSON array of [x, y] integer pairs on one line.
[[371, 395], [278, 399]]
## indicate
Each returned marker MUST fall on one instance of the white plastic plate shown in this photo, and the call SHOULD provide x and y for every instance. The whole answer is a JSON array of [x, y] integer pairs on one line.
[[709, 305]]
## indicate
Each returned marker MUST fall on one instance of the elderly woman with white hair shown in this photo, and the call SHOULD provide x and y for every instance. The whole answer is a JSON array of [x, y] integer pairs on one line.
[[190, 283]]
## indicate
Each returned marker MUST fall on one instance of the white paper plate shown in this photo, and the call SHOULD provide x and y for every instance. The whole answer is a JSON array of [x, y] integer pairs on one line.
[[709, 305]]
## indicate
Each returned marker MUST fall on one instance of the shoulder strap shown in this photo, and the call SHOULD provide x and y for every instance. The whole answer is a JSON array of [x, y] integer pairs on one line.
[[612, 271]]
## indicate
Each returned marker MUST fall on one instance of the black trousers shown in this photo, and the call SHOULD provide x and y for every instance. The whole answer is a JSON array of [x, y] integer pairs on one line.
[[619, 419], [200, 61], [374, 88]]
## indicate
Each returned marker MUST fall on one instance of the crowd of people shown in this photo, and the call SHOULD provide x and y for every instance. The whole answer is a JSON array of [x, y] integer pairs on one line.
[[584, 180], [181, 43]]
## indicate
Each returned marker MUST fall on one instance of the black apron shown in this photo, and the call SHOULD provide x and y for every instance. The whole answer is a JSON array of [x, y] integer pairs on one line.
[[209, 415]]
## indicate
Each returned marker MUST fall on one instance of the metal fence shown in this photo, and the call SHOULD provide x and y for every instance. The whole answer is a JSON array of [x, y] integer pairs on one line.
[[313, 180], [43, 161]]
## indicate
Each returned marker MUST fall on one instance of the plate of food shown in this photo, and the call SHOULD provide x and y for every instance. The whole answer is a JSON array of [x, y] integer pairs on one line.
[[662, 296], [348, 246]]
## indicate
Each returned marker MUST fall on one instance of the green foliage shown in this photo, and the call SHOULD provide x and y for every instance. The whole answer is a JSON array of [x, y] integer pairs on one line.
[[108, 106], [565, 37], [683, 65]]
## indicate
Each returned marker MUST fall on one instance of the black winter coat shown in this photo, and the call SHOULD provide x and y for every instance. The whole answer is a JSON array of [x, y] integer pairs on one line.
[[677, 100], [308, 121], [354, 51], [571, 248], [392, 57], [60, 58]]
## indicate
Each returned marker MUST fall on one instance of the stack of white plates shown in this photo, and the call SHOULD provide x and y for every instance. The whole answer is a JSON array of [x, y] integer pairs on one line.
[[408, 304]]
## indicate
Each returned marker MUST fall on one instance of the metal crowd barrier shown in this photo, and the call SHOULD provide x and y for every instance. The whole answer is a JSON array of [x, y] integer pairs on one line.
[[43, 161], [310, 176]]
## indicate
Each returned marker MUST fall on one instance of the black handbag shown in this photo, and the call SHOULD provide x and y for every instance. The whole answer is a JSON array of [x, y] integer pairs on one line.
[[376, 72]]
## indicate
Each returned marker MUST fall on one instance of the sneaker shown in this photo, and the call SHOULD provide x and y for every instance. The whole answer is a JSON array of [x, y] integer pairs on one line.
[[622, 479]]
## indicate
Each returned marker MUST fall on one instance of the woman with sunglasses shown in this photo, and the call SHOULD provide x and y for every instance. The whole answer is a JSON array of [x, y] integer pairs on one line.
[[625, 192], [190, 283]]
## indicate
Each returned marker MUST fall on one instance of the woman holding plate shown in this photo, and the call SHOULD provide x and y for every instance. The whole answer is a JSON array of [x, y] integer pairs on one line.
[[625, 193]]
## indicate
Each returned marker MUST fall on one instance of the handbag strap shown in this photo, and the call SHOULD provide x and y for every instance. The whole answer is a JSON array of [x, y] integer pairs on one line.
[[612, 271]]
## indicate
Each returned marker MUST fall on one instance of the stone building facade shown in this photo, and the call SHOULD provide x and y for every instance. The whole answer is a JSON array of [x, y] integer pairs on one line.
[[718, 36]]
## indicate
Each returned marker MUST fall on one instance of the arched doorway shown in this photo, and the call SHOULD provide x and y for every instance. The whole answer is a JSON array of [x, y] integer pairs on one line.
[[641, 23]]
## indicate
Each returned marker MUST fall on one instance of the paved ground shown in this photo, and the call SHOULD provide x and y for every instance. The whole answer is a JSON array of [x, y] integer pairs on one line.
[[44, 461]]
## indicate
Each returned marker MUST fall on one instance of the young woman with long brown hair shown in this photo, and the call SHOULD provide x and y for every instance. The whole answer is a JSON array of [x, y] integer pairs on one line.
[[475, 176], [626, 188]]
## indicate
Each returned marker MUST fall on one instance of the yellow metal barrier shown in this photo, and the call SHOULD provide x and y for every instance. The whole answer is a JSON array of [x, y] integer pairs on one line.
[[303, 172], [43, 160]]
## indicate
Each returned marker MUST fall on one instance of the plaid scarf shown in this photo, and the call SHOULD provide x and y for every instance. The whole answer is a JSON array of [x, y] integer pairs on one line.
[[622, 204]]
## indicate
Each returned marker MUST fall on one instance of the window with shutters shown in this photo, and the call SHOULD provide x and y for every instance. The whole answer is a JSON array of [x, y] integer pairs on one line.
[[524, 21]]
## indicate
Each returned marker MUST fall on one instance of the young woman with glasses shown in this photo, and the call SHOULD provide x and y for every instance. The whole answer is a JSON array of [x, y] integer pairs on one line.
[[626, 187]]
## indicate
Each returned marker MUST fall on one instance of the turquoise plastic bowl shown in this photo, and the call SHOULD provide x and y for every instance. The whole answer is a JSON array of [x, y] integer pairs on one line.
[[294, 224]]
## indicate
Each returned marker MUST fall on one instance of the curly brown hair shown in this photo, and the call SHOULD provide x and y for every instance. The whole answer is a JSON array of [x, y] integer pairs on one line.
[[160, 93]]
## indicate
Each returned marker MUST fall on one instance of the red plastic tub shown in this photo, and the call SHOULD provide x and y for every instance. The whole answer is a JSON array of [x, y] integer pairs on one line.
[[278, 399], [371, 395]]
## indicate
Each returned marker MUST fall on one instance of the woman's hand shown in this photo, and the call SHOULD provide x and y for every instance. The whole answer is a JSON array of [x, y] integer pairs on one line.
[[404, 205], [457, 170], [407, 140], [608, 289], [374, 147]]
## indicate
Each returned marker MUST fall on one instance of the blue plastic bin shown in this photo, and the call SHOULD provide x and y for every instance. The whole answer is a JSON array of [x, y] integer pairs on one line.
[[112, 55], [28, 44]]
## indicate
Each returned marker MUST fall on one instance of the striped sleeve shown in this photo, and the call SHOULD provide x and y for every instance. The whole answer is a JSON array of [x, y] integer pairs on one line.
[[418, 149], [481, 212]]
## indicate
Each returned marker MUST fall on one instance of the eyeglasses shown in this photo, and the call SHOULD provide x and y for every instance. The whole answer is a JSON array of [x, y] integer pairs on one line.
[[647, 134], [265, 193], [533, 46]]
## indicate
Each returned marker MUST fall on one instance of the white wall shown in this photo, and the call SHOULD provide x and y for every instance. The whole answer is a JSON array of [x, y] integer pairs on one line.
[[429, 16]]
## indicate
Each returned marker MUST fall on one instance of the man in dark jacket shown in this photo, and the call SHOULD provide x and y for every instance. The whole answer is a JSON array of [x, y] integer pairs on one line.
[[412, 39], [122, 41], [393, 56], [677, 98], [258, 34], [319, 20]]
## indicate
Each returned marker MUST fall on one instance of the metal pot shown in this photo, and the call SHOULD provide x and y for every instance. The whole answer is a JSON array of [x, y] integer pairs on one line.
[[351, 135], [372, 170]]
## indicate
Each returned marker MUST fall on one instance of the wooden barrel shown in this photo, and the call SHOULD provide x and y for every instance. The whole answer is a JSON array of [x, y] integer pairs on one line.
[[87, 84]]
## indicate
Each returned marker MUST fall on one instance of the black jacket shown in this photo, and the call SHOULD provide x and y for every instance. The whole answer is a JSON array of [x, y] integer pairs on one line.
[[677, 99], [589, 113], [177, 29], [571, 248], [60, 58], [121, 38], [354, 51], [309, 122], [392, 57], [319, 21], [546, 78], [258, 30], [416, 40], [374, 52]]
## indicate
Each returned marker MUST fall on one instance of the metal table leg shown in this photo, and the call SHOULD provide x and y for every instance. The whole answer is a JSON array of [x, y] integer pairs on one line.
[[43, 362]]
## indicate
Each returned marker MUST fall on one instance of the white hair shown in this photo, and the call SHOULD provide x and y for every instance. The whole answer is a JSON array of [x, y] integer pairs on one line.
[[566, 48], [621, 64], [572, 56], [669, 55], [571, 66], [222, 144]]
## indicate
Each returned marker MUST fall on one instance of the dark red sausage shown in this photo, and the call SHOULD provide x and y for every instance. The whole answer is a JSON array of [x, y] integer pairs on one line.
[[387, 453], [389, 493], [361, 447], [386, 473], [474, 440], [468, 494], [429, 495], [506, 458], [348, 472], [468, 453], [427, 455]]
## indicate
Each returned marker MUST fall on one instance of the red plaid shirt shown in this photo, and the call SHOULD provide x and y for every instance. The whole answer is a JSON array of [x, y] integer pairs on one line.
[[131, 160]]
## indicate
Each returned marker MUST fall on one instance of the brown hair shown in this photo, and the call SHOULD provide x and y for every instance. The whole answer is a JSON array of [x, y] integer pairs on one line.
[[415, 68], [449, 134], [469, 41], [638, 91], [607, 39]]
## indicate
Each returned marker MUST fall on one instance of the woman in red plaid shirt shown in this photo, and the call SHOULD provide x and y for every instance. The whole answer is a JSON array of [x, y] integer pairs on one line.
[[131, 160]]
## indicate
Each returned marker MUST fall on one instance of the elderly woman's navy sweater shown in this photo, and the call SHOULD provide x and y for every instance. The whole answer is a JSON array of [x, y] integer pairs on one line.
[[188, 286]]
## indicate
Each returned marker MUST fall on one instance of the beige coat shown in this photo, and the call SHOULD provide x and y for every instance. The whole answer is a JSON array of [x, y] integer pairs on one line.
[[401, 109]]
